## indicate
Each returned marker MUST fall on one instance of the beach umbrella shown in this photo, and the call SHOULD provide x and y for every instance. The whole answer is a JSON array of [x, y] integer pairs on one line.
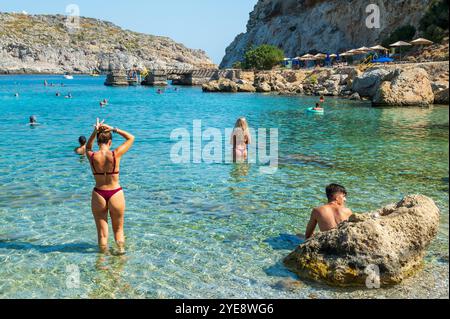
[[307, 57], [333, 56], [378, 48], [400, 44], [320, 56], [421, 41], [363, 49]]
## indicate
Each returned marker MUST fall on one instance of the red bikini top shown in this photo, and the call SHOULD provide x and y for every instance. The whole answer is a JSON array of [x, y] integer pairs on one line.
[[105, 173]]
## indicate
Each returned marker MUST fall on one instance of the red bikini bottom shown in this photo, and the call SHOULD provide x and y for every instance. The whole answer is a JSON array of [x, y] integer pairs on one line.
[[107, 194]]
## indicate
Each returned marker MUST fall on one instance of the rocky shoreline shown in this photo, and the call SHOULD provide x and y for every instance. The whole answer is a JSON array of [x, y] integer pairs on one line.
[[412, 84]]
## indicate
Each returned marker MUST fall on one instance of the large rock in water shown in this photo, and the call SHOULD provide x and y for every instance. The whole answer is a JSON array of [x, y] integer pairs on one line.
[[394, 239], [395, 86], [407, 87]]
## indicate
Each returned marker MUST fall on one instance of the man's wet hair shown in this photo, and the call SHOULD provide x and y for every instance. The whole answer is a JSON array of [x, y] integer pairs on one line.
[[334, 189], [82, 140]]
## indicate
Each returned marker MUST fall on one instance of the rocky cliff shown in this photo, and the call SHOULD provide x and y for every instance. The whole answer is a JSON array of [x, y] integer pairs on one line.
[[45, 44], [299, 26]]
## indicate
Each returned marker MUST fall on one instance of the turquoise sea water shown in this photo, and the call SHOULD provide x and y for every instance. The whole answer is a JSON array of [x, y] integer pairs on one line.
[[200, 230]]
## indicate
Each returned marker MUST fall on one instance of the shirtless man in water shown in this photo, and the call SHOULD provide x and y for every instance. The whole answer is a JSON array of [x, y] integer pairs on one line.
[[329, 216]]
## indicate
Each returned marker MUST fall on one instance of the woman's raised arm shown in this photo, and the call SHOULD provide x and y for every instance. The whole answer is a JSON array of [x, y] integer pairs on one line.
[[90, 143], [122, 149]]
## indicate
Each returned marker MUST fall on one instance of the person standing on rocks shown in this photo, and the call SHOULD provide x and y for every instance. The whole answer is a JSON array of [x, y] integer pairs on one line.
[[329, 216]]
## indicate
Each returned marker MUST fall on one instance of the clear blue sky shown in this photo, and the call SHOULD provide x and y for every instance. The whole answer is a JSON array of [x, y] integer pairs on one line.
[[210, 25]]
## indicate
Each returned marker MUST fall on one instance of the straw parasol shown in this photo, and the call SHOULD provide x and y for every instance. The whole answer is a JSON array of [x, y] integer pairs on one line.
[[421, 41], [307, 57], [400, 44], [379, 48], [363, 49], [320, 56]]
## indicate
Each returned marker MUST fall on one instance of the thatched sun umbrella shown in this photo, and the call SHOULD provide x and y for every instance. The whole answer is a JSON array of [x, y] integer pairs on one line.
[[378, 48], [421, 41], [307, 57], [363, 49], [320, 56], [400, 44]]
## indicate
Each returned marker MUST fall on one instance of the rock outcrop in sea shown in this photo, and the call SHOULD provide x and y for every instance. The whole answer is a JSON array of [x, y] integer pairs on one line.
[[393, 240], [48, 44], [299, 26]]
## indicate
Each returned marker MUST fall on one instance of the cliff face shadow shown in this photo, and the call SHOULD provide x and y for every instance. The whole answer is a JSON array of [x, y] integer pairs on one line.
[[77, 248]]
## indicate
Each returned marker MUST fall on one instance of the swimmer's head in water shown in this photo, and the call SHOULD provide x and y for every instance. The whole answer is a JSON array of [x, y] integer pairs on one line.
[[82, 140], [317, 104], [104, 136], [336, 192], [33, 119]]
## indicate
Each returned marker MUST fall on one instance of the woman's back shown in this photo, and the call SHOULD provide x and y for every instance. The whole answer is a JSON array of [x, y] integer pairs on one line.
[[105, 167]]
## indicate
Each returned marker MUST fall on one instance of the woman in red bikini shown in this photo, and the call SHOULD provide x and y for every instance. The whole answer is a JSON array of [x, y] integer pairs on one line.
[[107, 194]]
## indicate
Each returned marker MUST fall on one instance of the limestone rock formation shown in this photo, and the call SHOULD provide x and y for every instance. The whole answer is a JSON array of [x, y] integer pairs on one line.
[[441, 97], [299, 26], [394, 239], [405, 87], [45, 44], [395, 86], [228, 86]]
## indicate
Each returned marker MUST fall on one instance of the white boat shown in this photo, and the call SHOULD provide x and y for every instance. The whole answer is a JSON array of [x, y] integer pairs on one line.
[[68, 77]]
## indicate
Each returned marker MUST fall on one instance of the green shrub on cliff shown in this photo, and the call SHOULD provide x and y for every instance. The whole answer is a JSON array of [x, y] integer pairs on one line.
[[434, 24], [264, 57], [404, 33], [237, 65]]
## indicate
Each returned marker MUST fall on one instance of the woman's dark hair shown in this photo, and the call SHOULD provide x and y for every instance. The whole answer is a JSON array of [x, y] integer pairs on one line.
[[82, 140], [334, 189], [103, 136]]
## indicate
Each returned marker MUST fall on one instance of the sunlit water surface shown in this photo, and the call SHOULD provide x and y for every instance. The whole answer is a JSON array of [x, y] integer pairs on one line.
[[200, 230]]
